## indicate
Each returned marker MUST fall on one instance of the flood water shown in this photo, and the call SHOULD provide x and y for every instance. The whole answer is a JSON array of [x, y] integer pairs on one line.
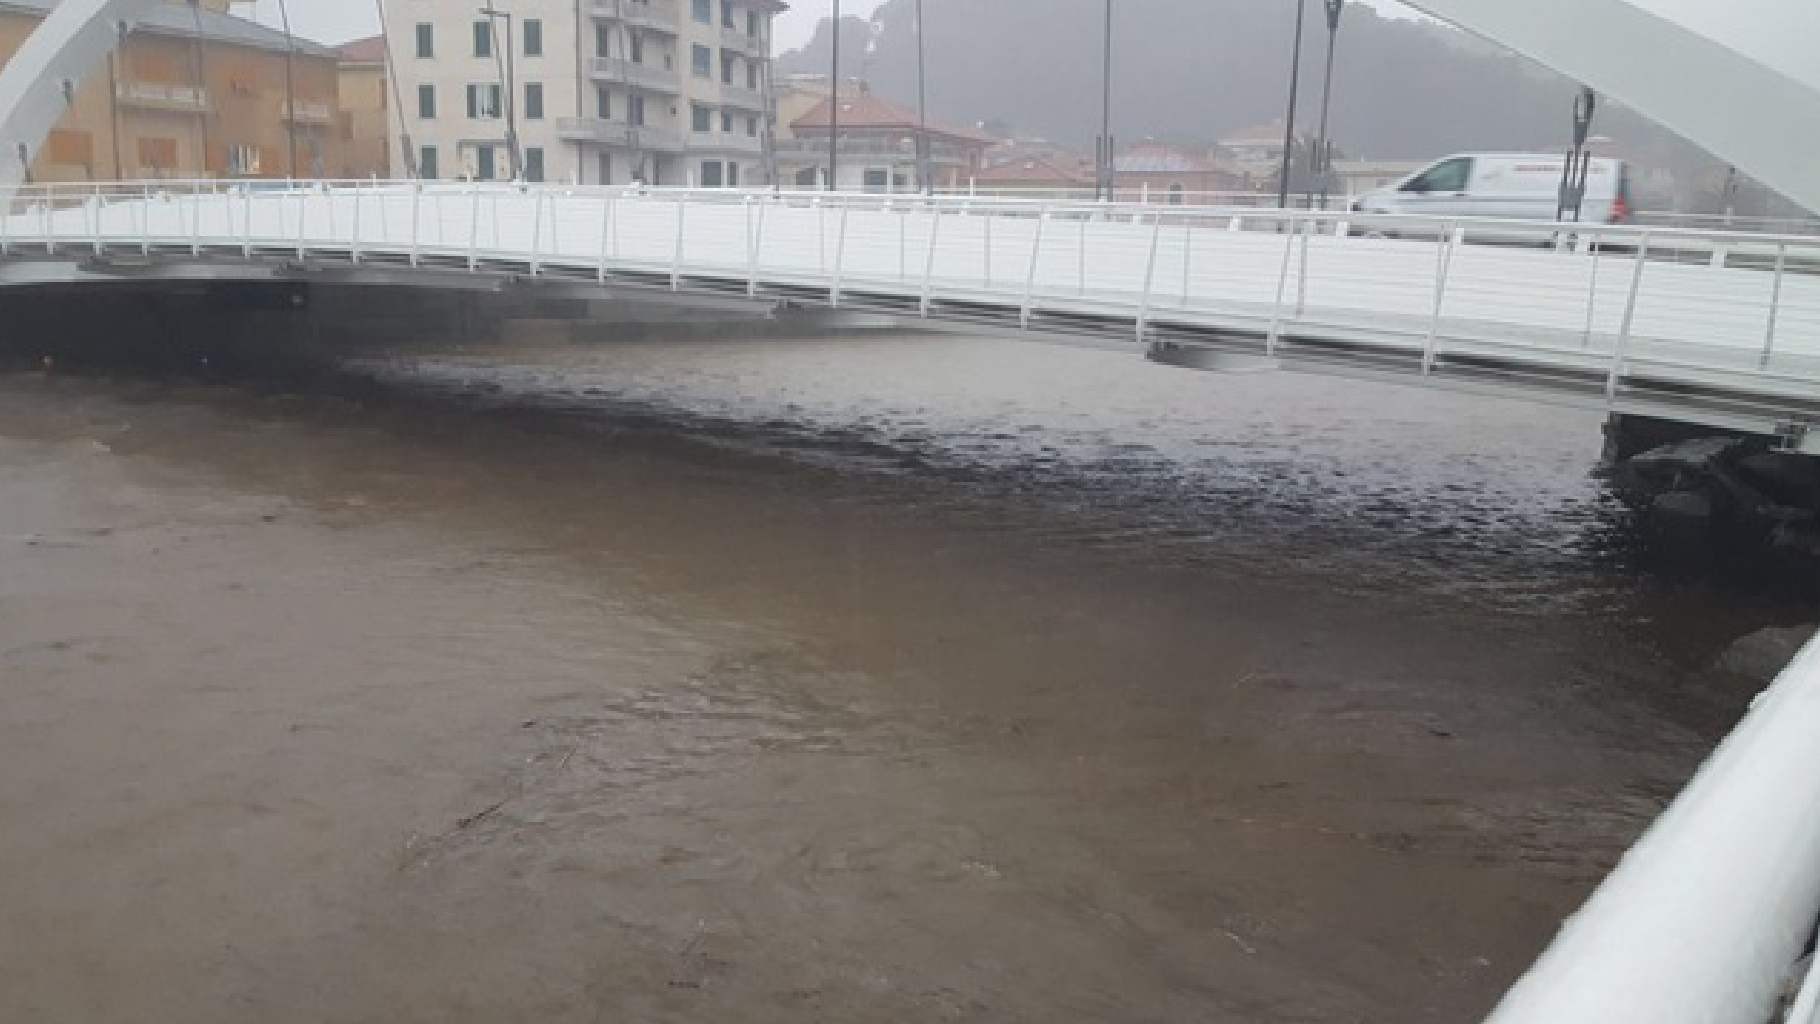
[[882, 678]]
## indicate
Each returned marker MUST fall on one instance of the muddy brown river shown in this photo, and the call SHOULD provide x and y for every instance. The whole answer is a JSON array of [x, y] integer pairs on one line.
[[874, 679]]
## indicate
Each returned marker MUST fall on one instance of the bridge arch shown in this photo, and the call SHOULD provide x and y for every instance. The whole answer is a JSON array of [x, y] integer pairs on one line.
[[1736, 78]]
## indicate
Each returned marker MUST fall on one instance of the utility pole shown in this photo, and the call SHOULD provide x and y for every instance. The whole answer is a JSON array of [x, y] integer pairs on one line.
[[1324, 147], [1295, 83], [1106, 176], [834, 107], [290, 84], [924, 171], [508, 104]]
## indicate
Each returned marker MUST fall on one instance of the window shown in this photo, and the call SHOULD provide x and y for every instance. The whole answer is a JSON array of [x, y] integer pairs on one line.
[[603, 103], [426, 162], [635, 110], [704, 12], [1446, 176], [533, 37], [483, 100], [751, 126], [241, 160], [534, 164], [603, 41], [752, 76], [726, 123], [701, 61], [604, 165], [638, 48], [732, 175], [752, 24], [533, 101], [426, 42], [703, 118], [710, 174], [877, 180], [426, 102], [726, 14], [483, 163], [483, 39]]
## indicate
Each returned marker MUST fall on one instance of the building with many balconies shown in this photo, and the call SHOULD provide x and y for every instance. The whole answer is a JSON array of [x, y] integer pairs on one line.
[[665, 92]]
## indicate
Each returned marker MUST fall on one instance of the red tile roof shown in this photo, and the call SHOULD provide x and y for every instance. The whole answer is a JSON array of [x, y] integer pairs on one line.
[[1037, 168], [862, 111]]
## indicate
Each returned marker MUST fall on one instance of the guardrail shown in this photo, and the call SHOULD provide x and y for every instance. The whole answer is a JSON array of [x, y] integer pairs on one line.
[[630, 72], [1714, 327]]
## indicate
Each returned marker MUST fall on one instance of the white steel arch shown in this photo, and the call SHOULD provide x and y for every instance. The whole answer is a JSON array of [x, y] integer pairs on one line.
[[42, 77], [1735, 77]]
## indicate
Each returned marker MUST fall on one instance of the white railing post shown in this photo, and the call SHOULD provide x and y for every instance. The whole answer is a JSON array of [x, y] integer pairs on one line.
[[1592, 295], [416, 221], [1301, 288], [1082, 284], [935, 234], [1443, 267], [1775, 307], [1156, 240], [145, 220], [246, 226], [1036, 255], [758, 242], [1621, 349], [1187, 256], [986, 220], [608, 201], [44, 221], [195, 220], [537, 234], [354, 236], [303, 205], [682, 207], [840, 259], [94, 209], [1276, 313], [474, 228]]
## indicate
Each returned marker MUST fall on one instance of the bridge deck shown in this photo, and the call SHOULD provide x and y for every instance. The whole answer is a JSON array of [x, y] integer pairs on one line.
[[1701, 326]]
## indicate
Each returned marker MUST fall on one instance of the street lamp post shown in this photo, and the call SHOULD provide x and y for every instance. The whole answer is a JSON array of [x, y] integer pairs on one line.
[[924, 171], [1324, 148], [834, 107], [511, 107], [1295, 83], [1106, 175]]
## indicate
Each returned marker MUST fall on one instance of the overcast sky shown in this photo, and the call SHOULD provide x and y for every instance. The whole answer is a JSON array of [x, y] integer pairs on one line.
[[337, 21]]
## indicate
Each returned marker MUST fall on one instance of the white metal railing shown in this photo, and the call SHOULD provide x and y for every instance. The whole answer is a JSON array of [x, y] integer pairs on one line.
[[1703, 920], [861, 146], [726, 142], [659, 15], [741, 97], [1720, 327], [162, 95]]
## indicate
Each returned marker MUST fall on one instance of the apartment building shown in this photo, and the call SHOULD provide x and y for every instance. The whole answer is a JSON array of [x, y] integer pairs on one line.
[[365, 92], [192, 92], [665, 92]]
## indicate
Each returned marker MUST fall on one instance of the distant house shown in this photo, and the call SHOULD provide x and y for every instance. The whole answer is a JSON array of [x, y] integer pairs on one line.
[[1036, 174], [877, 143], [1168, 173], [365, 93], [1257, 151], [1360, 176]]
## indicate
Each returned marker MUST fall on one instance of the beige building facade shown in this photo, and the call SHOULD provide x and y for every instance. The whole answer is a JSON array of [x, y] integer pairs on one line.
[[667, 92], [192, 93]]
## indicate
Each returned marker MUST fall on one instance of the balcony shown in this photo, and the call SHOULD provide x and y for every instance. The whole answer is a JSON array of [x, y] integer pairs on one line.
[[739, 42], [658, 15], [161, 96], [643, 76], [719, 142], [741, 97], [310, 111], [617, 134]]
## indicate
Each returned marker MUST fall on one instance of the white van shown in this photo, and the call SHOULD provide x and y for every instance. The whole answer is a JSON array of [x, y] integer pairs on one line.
[[1514, 186]]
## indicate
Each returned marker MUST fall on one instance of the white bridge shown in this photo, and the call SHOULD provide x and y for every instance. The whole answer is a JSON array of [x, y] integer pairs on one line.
[[1704, 327]]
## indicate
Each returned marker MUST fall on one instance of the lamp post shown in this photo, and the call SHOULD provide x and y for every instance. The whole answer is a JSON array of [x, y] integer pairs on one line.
[[1324, 148], [1106, 175], [924, 172], [834, 107], [1295, 82], [511, 108]]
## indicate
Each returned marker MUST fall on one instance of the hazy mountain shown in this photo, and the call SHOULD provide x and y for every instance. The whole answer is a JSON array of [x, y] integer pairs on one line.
[[1197, 70]]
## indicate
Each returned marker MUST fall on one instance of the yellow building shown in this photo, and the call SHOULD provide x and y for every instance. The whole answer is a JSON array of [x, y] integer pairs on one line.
[[364, 86], [193, 92]]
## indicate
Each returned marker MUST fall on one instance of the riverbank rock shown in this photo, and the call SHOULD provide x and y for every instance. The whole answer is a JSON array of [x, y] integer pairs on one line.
[[1762, 655]]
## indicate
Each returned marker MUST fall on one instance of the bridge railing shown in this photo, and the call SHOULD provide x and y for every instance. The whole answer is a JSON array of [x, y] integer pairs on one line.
[[1615, 310]]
